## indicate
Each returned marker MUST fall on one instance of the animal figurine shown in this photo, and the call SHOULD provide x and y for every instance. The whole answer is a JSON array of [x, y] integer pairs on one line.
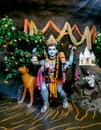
[[29, 83]]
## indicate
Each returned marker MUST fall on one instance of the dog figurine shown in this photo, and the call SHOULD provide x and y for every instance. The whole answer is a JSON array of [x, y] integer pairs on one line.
[[29, 83]]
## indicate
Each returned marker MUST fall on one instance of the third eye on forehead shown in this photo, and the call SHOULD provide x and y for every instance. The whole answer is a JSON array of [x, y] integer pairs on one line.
[[52, 48]]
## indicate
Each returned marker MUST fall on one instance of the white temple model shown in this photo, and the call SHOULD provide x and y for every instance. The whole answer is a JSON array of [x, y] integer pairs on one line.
[[87, 58]]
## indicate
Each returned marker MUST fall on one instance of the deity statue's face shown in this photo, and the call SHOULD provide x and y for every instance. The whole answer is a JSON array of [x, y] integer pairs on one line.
[[52, 51]]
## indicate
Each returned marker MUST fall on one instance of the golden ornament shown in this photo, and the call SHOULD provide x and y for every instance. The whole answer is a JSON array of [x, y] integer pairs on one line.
[[65, 67]]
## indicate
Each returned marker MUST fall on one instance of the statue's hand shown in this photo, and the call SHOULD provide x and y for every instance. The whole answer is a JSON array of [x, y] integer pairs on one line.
[[65, 66], [34, 60]]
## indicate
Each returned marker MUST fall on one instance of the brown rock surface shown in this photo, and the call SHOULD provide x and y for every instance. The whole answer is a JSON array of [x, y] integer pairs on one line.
[[76, 12]]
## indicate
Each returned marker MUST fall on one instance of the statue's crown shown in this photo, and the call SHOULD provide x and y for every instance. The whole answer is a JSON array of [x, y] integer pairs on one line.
[[51, 41]]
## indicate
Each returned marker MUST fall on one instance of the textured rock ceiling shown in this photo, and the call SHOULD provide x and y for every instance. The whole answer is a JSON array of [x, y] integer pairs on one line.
[[75, 11]]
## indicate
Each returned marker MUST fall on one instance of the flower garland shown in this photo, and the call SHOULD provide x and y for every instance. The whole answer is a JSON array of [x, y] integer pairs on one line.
[[77, 74], [51, 78], [90, 79], [86, 35], [56, 68]]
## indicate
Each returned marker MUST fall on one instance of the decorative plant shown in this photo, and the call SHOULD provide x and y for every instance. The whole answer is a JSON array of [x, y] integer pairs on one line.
[[77, 74], [97, 49], [19, 47]]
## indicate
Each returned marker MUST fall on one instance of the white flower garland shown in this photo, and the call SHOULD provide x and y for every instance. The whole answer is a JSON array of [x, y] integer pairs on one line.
[[90, 79]]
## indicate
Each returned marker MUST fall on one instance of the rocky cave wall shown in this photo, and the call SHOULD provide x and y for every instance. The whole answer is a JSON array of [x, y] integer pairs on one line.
[[80, 12]]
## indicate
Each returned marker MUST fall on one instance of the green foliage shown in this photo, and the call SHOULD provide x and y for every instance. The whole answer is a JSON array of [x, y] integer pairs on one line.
[[19, 47], [83, 91], [97, 49], [15, 60]]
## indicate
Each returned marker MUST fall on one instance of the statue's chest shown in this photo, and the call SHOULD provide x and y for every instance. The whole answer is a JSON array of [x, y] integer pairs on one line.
[[51, 66]]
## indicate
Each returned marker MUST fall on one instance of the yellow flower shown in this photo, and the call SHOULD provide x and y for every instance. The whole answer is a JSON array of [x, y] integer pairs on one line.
[[27, 56], [40, 40], [10, 43], [6, 25], [62, 44], [19, 39], [16, 63], [5, 46], [38, 55], [3, 19], [12, 57], [6, 69], [95, 41]]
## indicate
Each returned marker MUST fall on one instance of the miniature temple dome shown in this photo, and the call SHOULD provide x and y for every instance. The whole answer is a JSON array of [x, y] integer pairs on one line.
[[87, 58], [81, 55], [92, 55], [86, 53]]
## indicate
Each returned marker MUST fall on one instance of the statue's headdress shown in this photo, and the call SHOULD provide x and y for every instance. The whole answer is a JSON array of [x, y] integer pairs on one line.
[[51, 41]]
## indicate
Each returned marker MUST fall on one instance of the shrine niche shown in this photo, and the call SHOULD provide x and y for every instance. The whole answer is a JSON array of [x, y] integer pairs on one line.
[[25, 27]]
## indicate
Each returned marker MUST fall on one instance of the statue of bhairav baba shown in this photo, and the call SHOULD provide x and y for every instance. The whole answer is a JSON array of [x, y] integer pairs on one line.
[[52, 73]]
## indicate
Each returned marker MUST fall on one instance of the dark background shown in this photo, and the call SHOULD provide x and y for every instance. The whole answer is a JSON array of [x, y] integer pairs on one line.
[[80, 12]]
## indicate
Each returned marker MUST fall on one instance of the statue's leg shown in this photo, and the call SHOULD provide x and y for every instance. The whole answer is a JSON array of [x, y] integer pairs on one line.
[[45, 96], [63, 95], [23, 96], [31, 92]]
